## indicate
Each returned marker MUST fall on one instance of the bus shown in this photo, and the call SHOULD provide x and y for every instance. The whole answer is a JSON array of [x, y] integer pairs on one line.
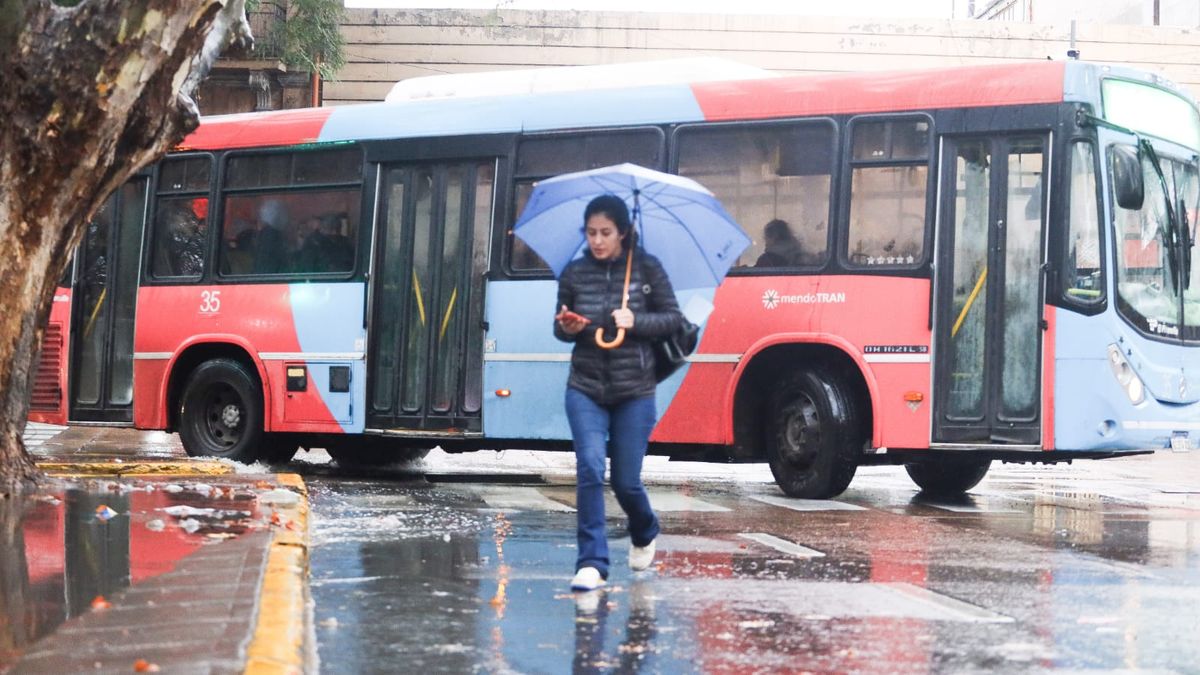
[[949, 267]]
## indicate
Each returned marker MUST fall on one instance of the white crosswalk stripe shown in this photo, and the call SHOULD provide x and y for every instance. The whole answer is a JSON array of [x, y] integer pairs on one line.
[[807, 504], [663, 500], [37, 433], [518, 498], [782, 545]]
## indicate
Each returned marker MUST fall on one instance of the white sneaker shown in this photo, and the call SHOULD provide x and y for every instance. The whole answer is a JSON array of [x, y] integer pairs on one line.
[[587, 579], [640, 557]]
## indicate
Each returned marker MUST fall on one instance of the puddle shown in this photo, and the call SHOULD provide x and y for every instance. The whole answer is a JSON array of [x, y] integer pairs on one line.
[[66, 546]]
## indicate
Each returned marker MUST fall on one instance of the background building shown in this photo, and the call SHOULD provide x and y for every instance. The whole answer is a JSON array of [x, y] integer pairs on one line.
[[1181, 13], [384, 46]]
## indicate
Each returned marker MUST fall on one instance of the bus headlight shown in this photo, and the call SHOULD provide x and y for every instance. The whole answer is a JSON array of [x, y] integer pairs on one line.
[[1129, 380]]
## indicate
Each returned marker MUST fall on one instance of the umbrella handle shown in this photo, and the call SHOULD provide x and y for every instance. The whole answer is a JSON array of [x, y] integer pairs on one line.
[[616, 342]]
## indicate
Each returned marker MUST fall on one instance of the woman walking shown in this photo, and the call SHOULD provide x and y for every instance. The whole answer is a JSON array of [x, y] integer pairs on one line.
[[610, 392]]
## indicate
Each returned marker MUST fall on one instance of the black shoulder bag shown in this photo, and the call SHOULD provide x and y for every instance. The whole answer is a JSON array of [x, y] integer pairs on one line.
[[671, 352]]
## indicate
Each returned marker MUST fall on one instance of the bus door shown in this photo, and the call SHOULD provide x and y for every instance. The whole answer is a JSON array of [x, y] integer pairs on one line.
[[988, 291], [426, 325], [102, 308]]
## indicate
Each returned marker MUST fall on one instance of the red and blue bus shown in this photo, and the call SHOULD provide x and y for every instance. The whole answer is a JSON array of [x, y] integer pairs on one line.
[[979, 264]]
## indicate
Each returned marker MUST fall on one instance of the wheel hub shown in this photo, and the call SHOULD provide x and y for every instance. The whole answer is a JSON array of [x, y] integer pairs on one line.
[[801, 434], [231, 415]]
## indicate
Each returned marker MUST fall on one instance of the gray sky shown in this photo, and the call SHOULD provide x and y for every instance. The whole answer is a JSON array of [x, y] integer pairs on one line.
[[865, 8]]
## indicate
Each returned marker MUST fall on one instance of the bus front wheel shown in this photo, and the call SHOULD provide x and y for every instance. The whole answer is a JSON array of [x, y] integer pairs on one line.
[[221, 412], [814, 434], [950, 476]]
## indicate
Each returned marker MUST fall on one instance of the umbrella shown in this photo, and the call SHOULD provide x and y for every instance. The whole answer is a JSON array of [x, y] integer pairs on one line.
[[678, 221]]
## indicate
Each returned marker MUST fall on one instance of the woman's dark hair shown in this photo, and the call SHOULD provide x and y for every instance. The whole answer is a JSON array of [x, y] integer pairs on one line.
[[614, 208]]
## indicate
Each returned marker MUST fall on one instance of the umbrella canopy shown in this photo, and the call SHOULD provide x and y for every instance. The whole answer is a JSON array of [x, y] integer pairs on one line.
[[678, 221]]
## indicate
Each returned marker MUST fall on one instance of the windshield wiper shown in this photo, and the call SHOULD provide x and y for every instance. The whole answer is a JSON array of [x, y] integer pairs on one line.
[[1185, 241], [1171, 232]]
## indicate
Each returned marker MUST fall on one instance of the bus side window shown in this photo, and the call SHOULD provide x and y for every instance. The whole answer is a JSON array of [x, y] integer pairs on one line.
[[179, 238], [290, 233], [541, 157], [292, 213], [1084, 281], [774, 180], [180, 234], [888, 190]]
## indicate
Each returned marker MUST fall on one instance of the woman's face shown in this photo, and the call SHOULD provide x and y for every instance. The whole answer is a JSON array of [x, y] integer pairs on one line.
[[603, 237]]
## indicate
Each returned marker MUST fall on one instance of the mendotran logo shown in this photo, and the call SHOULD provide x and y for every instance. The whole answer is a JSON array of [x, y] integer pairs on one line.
[[772, 299]]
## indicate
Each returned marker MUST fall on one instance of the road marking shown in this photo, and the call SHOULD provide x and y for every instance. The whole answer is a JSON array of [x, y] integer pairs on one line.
[[959, 610], [37, 433], [808, 504], [955, 508], [782, 545], [518, 498], [673, 501]]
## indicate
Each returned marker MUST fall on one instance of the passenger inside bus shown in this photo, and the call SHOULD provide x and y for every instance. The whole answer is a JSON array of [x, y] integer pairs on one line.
[[325, 248], [781, 247], [269, 246], [181, 253]]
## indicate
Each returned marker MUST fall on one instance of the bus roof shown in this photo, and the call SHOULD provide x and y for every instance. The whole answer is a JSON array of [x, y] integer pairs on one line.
[[793, 96]]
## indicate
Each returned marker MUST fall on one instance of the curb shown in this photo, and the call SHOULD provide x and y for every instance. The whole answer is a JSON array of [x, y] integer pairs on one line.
[[201, 468], [277, 645]]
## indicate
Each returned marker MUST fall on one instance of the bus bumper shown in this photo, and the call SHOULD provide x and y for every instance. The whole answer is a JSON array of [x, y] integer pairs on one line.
[[1093, 412]]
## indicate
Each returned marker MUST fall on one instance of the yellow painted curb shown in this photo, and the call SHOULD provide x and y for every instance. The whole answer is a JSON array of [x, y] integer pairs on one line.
[[198, 467], [278, 642]]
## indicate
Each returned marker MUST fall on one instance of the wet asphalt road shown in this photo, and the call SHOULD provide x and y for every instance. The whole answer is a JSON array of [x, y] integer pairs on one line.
[[462, 564]]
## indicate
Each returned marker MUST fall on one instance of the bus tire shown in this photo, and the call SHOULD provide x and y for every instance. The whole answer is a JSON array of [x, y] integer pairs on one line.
[[948, 476], [221, 412], [814, 434], [365, 452]]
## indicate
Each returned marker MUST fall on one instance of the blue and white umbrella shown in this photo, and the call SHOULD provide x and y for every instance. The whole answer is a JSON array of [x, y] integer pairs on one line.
[[677, 219]]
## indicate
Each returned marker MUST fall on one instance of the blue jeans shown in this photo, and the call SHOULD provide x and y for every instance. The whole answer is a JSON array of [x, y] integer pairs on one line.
[[623, 430]]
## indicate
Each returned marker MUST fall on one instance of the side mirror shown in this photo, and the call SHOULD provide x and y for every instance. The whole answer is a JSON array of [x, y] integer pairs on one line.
[[1127, 177]]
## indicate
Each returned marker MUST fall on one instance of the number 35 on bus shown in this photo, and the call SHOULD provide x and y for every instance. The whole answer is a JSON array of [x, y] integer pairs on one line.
[[950, 267]]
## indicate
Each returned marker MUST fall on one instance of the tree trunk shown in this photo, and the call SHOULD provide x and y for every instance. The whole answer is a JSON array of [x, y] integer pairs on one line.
[[90, 94]]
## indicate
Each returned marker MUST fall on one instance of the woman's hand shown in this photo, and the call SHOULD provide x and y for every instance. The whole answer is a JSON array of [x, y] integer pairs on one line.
[[570, 322], [623, 317]]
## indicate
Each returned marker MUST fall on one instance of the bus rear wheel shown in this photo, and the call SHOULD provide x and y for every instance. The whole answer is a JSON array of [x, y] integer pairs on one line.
[[371, 451], [221, 413], [814, 434], [949, 476]]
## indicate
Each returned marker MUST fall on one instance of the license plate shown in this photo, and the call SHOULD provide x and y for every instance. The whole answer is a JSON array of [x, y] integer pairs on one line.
[[1180, 442]]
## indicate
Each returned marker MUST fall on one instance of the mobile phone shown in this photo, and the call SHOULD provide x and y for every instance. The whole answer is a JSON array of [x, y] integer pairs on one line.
[[568, 315]]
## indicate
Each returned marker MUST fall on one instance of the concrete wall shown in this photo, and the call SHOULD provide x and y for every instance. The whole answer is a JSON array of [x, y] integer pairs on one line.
[[384, 46]]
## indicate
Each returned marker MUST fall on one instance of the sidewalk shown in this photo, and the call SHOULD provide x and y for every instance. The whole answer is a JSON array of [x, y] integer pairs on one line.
[[137, 558]]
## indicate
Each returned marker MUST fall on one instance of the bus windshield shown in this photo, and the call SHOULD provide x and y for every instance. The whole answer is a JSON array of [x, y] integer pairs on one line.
[[1151, 293]]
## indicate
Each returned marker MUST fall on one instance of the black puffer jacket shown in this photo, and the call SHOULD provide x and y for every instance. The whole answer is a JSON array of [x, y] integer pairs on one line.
[[593, 288]]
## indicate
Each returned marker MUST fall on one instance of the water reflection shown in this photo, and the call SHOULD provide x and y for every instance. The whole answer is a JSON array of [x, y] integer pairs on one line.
[[910, 587], [96, 547], [63, 548], [592, 610]]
